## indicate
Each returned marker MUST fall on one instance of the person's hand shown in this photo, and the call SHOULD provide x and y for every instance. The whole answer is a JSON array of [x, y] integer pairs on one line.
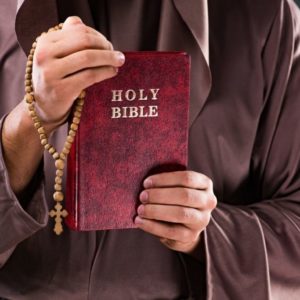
[[66, 62], [176, 207]]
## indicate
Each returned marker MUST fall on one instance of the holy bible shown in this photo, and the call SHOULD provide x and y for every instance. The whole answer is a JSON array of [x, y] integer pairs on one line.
[[132, 126]]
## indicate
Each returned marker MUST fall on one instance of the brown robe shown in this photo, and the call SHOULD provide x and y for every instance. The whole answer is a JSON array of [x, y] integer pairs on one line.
[[244, 127]]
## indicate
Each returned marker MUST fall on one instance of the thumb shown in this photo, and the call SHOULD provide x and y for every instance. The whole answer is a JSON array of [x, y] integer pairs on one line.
[[70, 21]]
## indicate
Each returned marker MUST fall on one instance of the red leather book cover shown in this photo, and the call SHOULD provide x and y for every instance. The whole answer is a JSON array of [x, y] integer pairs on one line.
[[133, 125]]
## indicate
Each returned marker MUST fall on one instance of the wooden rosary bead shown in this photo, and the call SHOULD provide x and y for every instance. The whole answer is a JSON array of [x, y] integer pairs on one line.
[[68, 145], [52, 150], [44, 142], [77, 114], [29, 98], [35, 119], [76, 120], [74, 127], [37, 125], [72, 133], [58, 187], [58, 196], [47, 146], [70, 139], [56, 155], [41, 130], [58, 180], [32, 114], [78, 108], [82, 95], [59, 164], [63, 156], [59, 173], [66, 151], [28, 89], [80, 102]]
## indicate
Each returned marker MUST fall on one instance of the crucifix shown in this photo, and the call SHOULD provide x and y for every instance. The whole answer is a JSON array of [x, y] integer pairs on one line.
[[58, 213]]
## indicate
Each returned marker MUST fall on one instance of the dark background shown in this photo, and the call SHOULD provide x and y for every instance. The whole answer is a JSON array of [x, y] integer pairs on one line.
[[298, 2]]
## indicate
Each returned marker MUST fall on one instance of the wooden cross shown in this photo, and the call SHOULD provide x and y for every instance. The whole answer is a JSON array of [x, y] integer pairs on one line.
[[58, 213]]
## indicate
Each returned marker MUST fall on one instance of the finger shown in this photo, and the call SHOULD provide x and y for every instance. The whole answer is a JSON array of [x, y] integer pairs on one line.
[[86, 78], [194, 198], [90, 59], [75, 21], [80, 40], [188, 179], [70, 21], [189, 217], [169, 231], [67, 44]]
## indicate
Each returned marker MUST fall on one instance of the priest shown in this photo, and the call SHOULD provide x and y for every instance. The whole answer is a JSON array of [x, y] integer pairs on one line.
[[228, 227]]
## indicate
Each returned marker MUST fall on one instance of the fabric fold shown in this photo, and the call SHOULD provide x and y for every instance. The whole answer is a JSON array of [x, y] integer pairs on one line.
[[17, 223]]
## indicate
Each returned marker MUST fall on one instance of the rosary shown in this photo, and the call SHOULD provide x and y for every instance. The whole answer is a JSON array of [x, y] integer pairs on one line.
[[58, 212]]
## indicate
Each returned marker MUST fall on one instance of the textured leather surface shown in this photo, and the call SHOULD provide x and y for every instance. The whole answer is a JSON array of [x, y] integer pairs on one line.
[[111, 157]]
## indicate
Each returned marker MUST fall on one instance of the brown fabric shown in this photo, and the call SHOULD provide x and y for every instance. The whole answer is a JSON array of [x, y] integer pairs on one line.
[[243, 135]]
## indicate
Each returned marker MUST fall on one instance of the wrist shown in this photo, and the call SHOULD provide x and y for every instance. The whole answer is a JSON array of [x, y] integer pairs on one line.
[[37, 116]]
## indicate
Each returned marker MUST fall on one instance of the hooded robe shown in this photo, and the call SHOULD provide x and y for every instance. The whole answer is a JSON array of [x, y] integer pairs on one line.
[[243, 134]]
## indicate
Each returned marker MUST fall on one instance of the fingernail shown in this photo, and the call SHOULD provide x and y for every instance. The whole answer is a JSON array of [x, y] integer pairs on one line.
[[121, 57], [141, 209], [148, 183], [73, 20], [144, 196], [138, 220]]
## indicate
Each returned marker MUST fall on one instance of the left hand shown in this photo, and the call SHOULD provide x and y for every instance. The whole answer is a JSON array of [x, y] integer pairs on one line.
[[176, 207]]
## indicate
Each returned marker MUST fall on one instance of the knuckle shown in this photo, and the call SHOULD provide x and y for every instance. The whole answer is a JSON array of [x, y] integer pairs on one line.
[[188, 178], [197, 217], [86, 40], [185, 215], [187, 195], [190, 196], [40, 55], [212, 201]]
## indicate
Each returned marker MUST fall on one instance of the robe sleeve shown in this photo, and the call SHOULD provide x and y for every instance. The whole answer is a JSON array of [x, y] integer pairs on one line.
[[18, 222], [253, 251]]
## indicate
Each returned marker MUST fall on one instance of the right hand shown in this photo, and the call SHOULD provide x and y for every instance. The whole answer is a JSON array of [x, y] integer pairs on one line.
[[66, 62]]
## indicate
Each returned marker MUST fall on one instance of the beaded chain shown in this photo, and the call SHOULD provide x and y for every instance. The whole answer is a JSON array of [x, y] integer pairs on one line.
[[58, 213]]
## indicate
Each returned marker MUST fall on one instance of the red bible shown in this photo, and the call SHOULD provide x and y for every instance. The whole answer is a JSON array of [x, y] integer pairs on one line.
[[132, 126]]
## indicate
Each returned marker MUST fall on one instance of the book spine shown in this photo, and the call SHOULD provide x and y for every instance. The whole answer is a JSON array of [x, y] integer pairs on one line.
[[72, 194]]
